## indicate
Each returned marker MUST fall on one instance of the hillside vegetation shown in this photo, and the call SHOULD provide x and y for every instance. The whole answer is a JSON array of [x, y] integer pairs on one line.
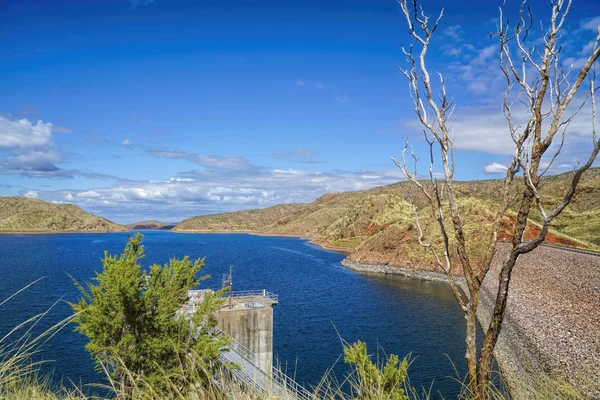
[[378, 225], [152, 224], [21, 214]]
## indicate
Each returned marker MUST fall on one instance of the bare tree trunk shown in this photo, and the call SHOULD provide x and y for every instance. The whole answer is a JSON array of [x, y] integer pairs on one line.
[[471, 353], [495, 326], [546, 97]]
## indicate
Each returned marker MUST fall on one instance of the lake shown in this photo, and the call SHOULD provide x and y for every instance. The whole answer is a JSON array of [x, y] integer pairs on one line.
[[320, 301]]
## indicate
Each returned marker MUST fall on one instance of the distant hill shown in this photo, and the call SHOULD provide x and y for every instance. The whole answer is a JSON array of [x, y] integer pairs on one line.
[[378, 226], [152, 224], [244, 221], [21, 214]]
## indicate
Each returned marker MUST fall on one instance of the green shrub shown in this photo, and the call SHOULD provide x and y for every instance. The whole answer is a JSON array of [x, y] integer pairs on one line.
[[136, 329], [375, 382]]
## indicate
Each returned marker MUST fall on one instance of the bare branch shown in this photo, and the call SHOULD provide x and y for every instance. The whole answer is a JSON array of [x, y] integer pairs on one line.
[[537, 83]]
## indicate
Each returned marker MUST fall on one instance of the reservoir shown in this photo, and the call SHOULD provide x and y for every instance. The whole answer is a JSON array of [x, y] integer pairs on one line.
[[321, 303]]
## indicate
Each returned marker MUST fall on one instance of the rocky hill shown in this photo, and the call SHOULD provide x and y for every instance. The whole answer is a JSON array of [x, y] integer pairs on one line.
[[378, 225], [21, 214], [152, 224]]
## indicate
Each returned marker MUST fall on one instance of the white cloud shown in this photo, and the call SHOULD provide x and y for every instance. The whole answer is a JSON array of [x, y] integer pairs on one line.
[[60, 129], [495, 168], [287, 171], [452, 31], [137, 3], [456, 49], [487, 52], [22, 134], [485, 129], [477, 130], [587, 48], [478, 87], [320, 86], [208, 161], [452, 50], [299, 83], [222, 162], [479, 71], [126, 143], [32, 194], [210, 191], [480, 74], [180, 180], [592, 24], [342, 98], [32, 161], [482, 126], [30, 148], [575, 62], [30, 151], [305, 152], [88, 194], [304, 156], [295, 153]]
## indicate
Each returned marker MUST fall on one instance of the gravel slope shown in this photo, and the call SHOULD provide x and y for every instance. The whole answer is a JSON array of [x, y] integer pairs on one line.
[[553, 315], [552, 321]]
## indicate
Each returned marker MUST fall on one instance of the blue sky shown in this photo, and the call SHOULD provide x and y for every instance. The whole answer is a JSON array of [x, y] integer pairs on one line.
[[170, 108]]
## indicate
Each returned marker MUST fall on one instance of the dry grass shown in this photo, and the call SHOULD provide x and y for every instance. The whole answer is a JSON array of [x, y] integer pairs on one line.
[[20, 380], [20, 214], [378, 224]]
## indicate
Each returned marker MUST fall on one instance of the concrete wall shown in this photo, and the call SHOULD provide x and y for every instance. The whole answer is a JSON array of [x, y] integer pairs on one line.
[[253, 328]]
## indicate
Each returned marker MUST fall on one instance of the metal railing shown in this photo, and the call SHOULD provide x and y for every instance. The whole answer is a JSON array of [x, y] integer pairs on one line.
[[254, 293], [275, 383]]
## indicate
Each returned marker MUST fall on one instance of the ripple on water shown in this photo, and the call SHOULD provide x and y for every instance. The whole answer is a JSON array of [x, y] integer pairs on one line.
[[320, 302]]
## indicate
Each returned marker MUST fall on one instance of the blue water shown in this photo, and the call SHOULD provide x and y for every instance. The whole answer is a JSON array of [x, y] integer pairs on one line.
[[320, 302]]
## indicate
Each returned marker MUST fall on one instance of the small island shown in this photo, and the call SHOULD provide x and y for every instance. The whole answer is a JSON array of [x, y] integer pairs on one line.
[[152, 224]]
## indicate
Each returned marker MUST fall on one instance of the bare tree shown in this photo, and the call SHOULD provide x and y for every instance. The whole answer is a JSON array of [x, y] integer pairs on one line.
[[535, 81]]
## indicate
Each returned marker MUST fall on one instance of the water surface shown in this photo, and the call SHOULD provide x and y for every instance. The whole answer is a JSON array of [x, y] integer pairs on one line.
[[320, 302]]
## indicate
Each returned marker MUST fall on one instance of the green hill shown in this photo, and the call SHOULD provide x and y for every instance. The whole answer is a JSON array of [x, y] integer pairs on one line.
[[21, 214], [378, 225]]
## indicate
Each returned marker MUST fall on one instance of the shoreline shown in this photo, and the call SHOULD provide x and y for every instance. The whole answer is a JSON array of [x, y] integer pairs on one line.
[[542, 338], [55, 232], [338, 249], [252, 233], [519, 354], [384, 269], [503, 352], [512, 343]]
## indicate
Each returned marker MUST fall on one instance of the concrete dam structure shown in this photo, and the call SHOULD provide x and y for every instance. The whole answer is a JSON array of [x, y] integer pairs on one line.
[[247, 318]]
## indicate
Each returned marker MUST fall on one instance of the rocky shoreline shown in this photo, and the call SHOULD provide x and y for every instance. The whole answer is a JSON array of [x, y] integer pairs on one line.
[[512, 344], [552, 323], [392, 270]]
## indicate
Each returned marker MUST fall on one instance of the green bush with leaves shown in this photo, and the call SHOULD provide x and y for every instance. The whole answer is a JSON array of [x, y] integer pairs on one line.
[[375, 382], [136, 328]]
